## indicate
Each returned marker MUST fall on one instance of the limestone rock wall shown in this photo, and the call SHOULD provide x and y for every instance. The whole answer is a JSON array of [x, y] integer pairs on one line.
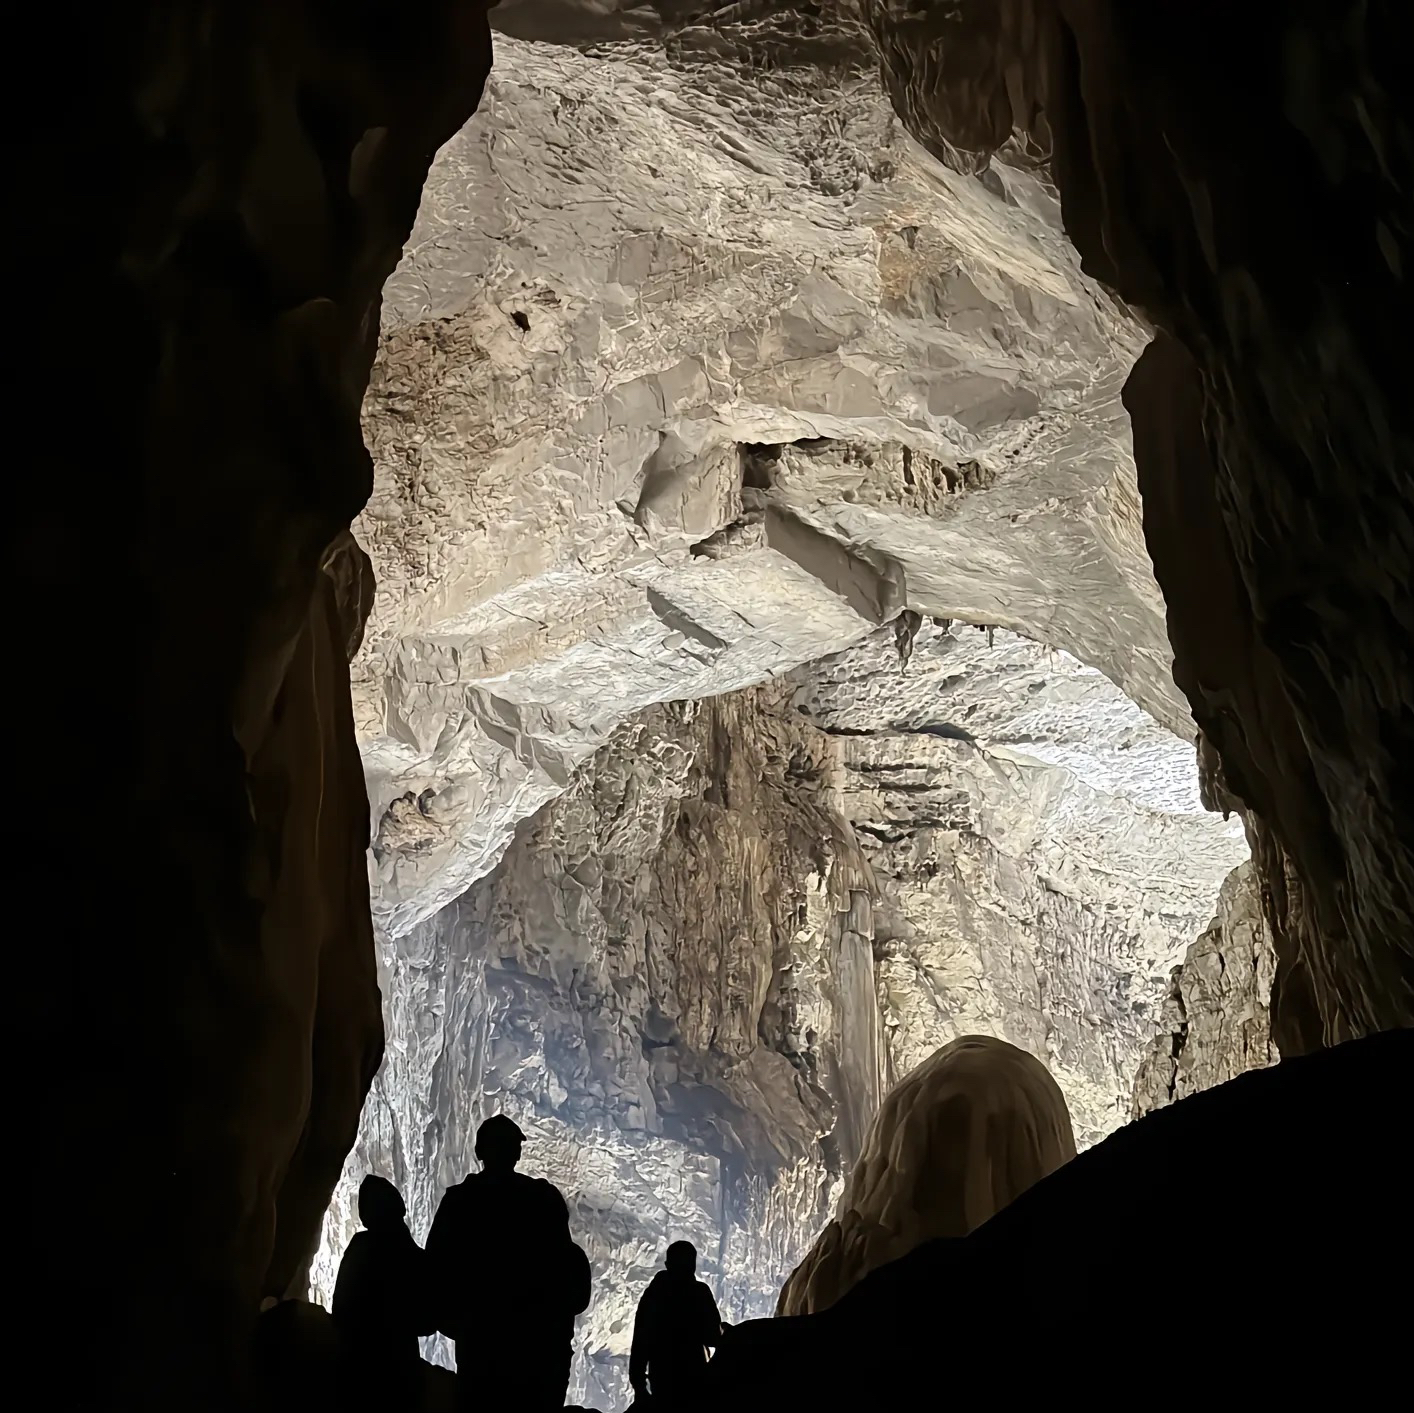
[[1216, 1019], [698, 368], [1274, 436], [668, 982], [691, 974], [692, 377], [1042, 853]]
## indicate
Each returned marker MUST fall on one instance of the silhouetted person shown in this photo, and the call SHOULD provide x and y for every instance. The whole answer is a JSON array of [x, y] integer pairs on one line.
[[507, 1279], [381, 1298], [677, 1322]]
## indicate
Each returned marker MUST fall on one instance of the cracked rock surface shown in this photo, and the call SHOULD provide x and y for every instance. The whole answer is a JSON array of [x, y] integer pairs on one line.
[[1039, 846], [1216, 1018], [693, 974], [699, 373], [1275, 443], [668, 982], [694, 372]]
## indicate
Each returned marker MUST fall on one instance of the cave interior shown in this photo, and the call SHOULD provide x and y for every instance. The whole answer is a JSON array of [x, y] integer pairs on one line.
[[1208, 208]]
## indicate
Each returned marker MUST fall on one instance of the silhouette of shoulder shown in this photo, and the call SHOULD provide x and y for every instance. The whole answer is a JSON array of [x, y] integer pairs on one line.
[[482, 1199], [351, 1291], [553, 1199], [379, 1290]]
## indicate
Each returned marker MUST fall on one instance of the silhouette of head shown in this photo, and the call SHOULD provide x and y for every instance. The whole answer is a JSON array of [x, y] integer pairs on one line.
[[498, 1143], [681, 1259], [380, 1204]]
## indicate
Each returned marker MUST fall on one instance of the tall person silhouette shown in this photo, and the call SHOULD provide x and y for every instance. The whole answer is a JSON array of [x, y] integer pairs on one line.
[[676, 1323], [381, 1302], [507, 1279]]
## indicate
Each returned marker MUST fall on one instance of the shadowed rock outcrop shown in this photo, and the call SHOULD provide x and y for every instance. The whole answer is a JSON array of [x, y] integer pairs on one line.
[[252, 172], [1026, 1289], [1216, 1019], [969, 1130], [1273, 434]]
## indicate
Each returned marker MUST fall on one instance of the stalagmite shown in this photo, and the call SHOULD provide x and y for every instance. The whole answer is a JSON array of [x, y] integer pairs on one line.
[[969, 1130]]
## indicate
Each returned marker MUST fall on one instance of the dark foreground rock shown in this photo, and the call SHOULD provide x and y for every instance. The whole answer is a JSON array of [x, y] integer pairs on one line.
[[1319, 1138]]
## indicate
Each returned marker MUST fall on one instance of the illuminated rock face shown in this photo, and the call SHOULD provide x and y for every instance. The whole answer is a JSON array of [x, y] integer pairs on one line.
[[970, 1129], [1042, 855], [1216, 1020], [668, 982], [692, 974], [228, 306], [685, 382], [699, 373], [1274, 436]]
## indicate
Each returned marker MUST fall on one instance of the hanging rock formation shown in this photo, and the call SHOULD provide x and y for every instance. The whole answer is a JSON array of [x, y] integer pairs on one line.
[[690, 376], [1274, 435], [967, 1132]]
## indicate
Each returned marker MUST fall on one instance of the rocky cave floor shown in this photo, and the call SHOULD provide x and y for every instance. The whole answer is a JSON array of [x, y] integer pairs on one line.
[[767, 682]]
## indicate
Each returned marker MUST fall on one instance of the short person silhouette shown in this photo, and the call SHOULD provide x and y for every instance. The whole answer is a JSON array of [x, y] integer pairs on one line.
[[677, 1322], [381, 1302]]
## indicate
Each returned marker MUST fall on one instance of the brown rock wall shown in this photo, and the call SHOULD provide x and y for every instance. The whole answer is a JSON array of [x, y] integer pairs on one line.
[[1244, 178], [211, 208]]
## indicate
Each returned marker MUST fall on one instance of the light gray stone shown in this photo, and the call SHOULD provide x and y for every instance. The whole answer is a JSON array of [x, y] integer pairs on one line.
[[1216, 1020], [699, 374], [664, 407], [668, 982], [1040, 849], [692, 974]]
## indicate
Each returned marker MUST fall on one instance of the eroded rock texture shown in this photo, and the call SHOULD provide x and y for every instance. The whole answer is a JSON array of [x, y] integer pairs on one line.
[[252, 171], [954, 1142], [1273, 432], [1041, 852], [698, 368], [855, 866], [1216, 1020], [668, 982], [255, 170]]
